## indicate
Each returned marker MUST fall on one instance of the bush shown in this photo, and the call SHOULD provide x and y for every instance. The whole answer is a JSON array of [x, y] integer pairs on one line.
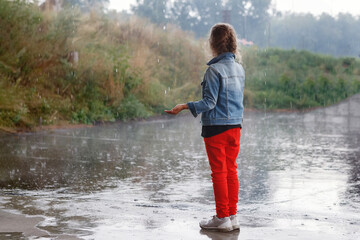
[[297, 79], [132, 68], [131, 108]]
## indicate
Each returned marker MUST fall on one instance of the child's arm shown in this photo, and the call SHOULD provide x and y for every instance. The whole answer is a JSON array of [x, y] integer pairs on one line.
[[178, 108]]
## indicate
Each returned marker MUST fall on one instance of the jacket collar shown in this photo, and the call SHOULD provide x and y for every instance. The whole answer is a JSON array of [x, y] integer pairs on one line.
[[221, 56]]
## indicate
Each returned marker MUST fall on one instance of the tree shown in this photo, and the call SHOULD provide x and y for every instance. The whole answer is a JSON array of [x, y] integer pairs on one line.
[[154, 10], [294, 31], [326, 34], [209, 13], [86, 5], [348, 35], [250, 19], [183, 14]]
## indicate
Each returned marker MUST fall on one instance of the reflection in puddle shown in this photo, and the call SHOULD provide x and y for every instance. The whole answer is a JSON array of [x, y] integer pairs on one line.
[[234, 235], [151, 179]]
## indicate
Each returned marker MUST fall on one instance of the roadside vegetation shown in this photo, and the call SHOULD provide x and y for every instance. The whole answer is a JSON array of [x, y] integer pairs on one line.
[[291, 79], [126, 68], [76, 67]]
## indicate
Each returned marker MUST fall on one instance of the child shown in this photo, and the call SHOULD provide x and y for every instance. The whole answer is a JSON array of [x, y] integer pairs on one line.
[[222, 114]]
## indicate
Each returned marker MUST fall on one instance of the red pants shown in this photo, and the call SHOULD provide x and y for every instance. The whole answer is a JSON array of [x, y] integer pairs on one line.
[[222, 151]]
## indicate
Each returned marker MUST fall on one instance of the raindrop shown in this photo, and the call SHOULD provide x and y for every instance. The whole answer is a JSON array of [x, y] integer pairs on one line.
[[158, 60], [164, 27], [43, 165], [165, 91], [12, 174], [116, 70]]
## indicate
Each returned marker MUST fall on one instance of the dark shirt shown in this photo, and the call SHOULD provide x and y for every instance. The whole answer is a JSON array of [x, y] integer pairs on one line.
[[209, 131]]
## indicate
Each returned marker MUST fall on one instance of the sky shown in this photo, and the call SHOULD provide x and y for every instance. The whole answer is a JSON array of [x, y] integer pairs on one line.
[[315, 7]]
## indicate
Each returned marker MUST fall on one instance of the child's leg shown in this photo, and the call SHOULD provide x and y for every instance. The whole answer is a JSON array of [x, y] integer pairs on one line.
[[232, 151], [215, 149]]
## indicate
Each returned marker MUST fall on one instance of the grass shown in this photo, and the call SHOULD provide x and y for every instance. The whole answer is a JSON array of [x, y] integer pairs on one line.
[[279, 79], [130, 68], [124, 68]]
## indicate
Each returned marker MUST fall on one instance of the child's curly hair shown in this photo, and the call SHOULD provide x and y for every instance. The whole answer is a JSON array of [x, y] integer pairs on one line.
[[223, 39]]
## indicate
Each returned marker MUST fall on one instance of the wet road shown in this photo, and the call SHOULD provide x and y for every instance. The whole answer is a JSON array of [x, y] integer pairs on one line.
[[299, 179]]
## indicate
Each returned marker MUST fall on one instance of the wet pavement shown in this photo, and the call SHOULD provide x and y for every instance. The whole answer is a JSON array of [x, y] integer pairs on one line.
[[299, 179]]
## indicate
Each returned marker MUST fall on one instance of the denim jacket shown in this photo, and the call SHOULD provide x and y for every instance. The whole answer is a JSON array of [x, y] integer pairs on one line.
[[222, 92]]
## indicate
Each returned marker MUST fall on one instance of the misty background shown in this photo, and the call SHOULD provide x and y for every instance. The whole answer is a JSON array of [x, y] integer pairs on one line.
[[328, 27]]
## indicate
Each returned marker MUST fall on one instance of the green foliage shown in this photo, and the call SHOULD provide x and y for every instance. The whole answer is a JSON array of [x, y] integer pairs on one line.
[[41, 83], [298, 79], [155, 10], [338, 36], [256, 20], [198, 16], [85, 5], [130, 69], [131, 108]]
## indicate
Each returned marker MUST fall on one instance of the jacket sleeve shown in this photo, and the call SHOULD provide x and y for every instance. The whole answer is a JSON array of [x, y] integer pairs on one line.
[[211, 85]]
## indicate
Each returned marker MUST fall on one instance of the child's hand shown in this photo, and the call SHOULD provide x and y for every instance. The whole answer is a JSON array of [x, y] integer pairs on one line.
[[178, 108]]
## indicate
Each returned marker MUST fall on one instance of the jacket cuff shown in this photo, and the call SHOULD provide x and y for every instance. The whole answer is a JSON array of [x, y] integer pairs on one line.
[[192, 109]]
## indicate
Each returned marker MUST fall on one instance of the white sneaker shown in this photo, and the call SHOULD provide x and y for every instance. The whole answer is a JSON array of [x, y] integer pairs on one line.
[[219, 224], [234, 222]]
